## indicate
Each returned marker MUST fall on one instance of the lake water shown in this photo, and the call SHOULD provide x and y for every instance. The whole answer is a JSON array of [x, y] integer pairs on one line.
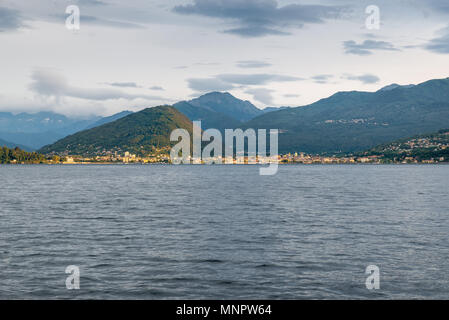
[[224, 232]]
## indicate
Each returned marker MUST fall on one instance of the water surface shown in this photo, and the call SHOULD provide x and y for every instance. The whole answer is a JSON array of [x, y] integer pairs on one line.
[[224, 232]]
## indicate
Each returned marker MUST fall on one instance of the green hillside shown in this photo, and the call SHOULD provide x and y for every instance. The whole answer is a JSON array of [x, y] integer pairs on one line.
[[356, 121], [139, 133], [17, 155], [430, 147]]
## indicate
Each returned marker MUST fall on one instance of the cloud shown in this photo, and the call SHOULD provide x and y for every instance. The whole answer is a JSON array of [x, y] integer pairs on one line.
[[262, 95], [255, 31], [91, 3], [291, 95], [322, 78], [257, 18], [255, 79], [156, 88], [252, 64], [124, 84], [224, 82], [439, 5], [366, 78], [51, 84], [209, 84], [10, 19], [439, 44], [367, 47], [109, 23]]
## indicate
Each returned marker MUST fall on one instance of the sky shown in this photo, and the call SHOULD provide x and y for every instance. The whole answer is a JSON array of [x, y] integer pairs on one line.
[[134, 54]]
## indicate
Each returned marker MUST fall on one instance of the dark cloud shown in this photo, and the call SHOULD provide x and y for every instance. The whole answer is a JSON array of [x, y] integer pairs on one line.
[[252, 64], [439, 44], [10, 19], [257, 18], [262, 95], [367, 47], [51, 84], [366, 78]]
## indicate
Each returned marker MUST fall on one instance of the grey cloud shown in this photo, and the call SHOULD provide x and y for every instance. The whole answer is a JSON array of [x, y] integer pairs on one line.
[[366, 78], [439, 44], [157, 88], [50, 84], [91, 3], [367, 47], [439, 5], [124, 84], [252, 64], [10, 19], [322, 78], [209, 84], [291, 95], [109, 23], [255, 79], [257, 18], [255, 31], [223, 82], [262, 95]]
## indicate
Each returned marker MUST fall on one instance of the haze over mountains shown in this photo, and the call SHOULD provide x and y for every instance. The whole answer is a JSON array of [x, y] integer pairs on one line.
[[33, 131], [345, 122]]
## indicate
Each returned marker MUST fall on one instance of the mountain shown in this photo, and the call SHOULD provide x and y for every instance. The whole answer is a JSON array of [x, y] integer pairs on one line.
[[218, 110], [34, 141], [11, 145], [41, 122], [112, 118], [208, 118], [43, 128], [356, 121], [394, 86], [38, 129], [273, 109], [139, 132]]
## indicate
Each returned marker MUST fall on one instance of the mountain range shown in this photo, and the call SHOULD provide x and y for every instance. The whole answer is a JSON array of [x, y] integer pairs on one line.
[[11, 145], [355, 121], [345, 122], [33, 131]]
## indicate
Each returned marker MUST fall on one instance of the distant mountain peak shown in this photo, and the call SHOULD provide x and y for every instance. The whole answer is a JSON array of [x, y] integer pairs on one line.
[[395, 86], [222, 104]]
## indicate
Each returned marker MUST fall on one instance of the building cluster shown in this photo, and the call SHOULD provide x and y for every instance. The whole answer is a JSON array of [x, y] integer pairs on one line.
[[419, 143], [317, 159], [127, 157]]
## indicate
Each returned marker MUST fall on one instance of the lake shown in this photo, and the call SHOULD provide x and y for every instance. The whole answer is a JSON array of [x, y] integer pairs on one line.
[[224, 232]]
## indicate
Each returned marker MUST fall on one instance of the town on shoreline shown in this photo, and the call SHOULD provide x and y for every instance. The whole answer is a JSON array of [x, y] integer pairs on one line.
[[296, 158]]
